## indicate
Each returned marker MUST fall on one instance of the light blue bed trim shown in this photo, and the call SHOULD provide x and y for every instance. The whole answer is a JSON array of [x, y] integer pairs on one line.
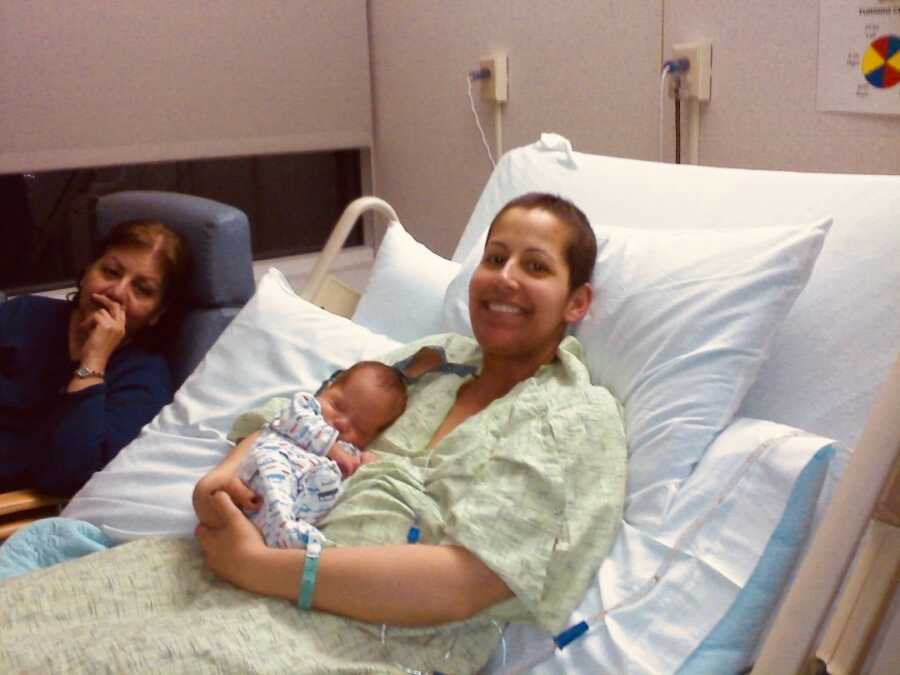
[[730, 647]]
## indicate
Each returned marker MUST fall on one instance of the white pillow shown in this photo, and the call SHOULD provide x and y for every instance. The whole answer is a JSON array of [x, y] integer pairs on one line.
[[405, 293], [277, 344], [680, 325]]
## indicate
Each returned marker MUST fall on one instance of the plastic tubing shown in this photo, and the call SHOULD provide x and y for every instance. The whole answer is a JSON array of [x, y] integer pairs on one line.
[[667, 68]]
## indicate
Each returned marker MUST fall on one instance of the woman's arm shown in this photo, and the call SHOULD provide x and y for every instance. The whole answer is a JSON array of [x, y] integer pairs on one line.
[[87, 428], [404, 585], [104, 331]]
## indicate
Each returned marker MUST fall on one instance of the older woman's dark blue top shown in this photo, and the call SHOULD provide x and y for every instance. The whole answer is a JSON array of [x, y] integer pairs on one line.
[[53, 440]]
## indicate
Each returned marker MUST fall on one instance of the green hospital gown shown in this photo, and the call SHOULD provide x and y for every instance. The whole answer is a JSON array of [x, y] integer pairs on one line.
[[533, 485]]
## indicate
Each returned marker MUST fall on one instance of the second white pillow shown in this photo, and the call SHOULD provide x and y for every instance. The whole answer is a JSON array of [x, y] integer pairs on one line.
[[405, 293]]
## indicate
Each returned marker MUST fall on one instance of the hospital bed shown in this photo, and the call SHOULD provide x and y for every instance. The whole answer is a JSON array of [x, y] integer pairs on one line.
[[744, 320]]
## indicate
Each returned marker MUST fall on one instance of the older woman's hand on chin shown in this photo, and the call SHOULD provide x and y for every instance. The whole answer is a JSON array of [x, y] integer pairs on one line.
[[95, 337], [103, 329]]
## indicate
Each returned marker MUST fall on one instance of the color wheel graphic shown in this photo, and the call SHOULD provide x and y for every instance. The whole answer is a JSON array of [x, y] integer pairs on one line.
[[881, 62]]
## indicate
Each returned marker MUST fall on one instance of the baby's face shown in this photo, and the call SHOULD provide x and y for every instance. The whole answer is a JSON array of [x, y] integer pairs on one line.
[[357, 408]]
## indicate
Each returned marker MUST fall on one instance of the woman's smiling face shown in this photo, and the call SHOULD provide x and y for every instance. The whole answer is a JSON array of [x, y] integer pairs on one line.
[[519, 296]]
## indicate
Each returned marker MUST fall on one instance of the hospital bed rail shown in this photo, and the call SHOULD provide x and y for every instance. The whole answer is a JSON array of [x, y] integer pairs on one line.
[[868, 490], [326, 290]]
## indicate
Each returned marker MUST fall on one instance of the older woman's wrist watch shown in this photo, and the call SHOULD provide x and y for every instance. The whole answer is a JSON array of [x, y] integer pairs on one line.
[[83, 372]]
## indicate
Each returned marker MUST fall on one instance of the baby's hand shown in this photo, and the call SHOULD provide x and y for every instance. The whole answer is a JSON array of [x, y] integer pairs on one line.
[[347, 461]]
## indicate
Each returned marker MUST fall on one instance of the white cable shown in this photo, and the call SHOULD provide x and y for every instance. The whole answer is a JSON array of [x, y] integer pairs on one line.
[[478, 122], [501, 631], [682, 541], [535, 657], [498, 128], [662, 108]]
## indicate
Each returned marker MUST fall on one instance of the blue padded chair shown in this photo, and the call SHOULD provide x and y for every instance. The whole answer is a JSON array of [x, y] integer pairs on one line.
[[222, 278], [221, 282]]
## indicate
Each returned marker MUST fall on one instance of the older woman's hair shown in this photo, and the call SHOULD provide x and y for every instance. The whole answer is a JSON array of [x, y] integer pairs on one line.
[[581, 253]]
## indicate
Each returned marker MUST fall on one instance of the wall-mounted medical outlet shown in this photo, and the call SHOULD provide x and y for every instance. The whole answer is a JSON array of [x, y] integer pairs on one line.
[[495, 87], [698, 79]]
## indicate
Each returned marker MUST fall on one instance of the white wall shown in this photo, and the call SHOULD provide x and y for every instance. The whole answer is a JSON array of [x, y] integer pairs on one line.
[[76, 89], [589, 70], [584, 68]]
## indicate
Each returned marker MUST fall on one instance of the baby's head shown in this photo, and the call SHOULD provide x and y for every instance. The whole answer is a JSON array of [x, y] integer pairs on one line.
[[362, 401]]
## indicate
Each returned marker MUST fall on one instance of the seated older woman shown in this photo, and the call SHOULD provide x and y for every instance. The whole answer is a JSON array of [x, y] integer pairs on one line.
[[514, 475], [78, 378]]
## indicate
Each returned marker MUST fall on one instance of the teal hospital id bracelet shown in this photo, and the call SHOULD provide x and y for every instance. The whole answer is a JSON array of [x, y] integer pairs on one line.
[[310, 569]]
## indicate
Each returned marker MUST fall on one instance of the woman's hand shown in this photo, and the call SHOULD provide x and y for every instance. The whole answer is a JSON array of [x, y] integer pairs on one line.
[[105, 330], [221, 480], [96, 337], [224, 478], [234, 548]]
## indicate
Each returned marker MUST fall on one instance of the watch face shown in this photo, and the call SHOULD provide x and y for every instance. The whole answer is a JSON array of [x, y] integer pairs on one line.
[[84, 371]]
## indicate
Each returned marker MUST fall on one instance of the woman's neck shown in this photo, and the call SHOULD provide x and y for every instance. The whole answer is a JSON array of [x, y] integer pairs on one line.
[[500, 375]]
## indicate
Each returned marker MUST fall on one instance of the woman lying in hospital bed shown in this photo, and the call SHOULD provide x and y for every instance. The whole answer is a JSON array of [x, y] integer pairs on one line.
[[515, 477]]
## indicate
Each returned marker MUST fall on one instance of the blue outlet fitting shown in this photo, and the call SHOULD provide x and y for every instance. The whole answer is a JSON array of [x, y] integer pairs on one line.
[[677, 65]]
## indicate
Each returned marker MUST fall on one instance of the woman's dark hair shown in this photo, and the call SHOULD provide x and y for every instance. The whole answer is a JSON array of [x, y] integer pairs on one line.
[[581, 253], [172, 252], [389, 379]]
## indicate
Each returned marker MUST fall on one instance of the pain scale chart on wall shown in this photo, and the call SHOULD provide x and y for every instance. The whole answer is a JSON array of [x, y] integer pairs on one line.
[[859, 56]]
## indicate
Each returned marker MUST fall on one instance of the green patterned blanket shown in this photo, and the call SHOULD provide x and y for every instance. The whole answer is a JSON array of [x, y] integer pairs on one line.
[[152, 606]]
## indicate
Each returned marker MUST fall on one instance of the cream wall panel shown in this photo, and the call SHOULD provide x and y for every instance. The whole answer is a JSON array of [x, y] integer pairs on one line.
[[763, 108], [92, 83], [584, 68]]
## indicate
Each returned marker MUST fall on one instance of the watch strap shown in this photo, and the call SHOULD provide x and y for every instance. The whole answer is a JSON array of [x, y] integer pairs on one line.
[[83, 372]]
